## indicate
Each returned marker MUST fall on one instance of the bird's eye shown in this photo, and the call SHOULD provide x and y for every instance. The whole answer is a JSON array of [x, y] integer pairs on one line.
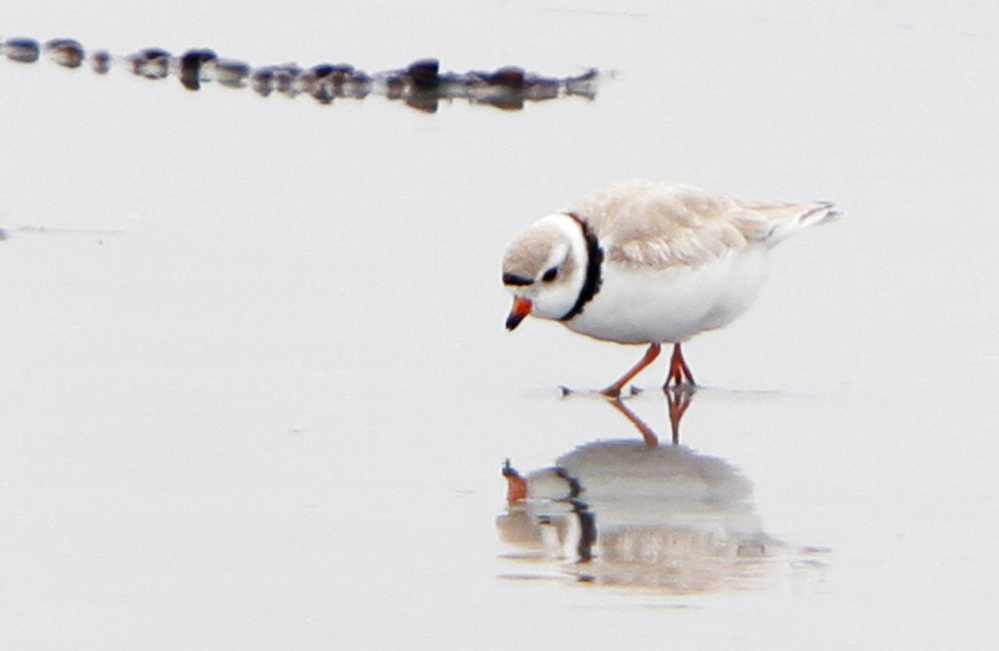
[[550, 275]]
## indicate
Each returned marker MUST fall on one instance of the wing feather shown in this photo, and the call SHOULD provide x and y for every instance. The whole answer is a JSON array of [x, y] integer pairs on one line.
[[661, 225]]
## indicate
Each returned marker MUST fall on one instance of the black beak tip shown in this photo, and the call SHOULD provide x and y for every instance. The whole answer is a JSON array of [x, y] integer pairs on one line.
[[513, 321]]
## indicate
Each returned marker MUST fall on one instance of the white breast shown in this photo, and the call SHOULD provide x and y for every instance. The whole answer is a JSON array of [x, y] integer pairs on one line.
[[639, 305]]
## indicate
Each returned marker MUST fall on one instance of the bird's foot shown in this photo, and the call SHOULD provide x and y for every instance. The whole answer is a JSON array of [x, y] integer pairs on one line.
[[679, 373]]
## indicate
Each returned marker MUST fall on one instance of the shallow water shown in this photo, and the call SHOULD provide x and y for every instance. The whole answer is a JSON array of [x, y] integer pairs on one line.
[[258, 391]]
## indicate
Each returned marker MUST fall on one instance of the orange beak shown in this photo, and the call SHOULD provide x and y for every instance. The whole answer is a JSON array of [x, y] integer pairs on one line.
[[521, 308]]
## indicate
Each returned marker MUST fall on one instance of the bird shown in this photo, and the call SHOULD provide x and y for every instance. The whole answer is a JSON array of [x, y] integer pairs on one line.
[[649, 262]]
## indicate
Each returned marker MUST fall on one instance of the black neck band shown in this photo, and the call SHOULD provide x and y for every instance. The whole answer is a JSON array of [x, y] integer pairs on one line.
[[594, 258]]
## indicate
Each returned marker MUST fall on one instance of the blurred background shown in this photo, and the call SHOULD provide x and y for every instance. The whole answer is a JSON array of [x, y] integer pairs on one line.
[[257, 389]]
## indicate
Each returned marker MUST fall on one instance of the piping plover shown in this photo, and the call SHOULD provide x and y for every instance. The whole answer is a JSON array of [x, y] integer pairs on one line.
[[649, 262]]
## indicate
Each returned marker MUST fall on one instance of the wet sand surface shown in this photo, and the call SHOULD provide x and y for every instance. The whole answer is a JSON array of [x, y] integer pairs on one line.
[[258, 392]]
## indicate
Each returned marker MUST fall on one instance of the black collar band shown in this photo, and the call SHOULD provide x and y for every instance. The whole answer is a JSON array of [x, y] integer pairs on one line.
[[594, 259]]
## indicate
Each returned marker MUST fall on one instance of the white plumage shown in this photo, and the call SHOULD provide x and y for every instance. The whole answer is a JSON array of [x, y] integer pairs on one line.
[[649, 262]]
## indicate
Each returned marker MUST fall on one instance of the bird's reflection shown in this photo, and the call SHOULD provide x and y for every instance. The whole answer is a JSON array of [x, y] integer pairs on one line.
[[637, 513], [678, 399]]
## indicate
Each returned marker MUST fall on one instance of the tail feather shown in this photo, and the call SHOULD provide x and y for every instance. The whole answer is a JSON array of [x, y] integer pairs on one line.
[[787, 219]]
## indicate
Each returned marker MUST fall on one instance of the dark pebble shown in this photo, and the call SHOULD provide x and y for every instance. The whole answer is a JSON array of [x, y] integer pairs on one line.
[[231, 73], [100, 61], [191, 63], [23, 50], [151, 63], [65, 51]]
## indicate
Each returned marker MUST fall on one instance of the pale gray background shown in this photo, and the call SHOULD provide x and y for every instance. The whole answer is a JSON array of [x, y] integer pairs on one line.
[[256, 388]]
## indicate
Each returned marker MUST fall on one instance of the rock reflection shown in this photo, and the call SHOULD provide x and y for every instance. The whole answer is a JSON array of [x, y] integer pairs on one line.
[[627, 513]]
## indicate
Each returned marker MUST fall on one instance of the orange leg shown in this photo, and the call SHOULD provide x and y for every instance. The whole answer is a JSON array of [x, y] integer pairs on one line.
[[614, 390], [679, 372]]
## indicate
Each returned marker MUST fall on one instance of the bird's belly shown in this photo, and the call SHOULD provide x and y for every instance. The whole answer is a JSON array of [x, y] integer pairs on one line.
[[672, 305]]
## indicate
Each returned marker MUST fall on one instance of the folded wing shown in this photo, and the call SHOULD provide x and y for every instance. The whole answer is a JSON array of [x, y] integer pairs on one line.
[[661, 225]]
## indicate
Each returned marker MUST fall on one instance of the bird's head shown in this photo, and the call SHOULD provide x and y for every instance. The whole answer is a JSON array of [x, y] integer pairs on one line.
[[545, 268]]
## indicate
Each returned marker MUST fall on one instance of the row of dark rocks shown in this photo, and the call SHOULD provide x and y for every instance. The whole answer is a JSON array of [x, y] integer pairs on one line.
[[421, 84]]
